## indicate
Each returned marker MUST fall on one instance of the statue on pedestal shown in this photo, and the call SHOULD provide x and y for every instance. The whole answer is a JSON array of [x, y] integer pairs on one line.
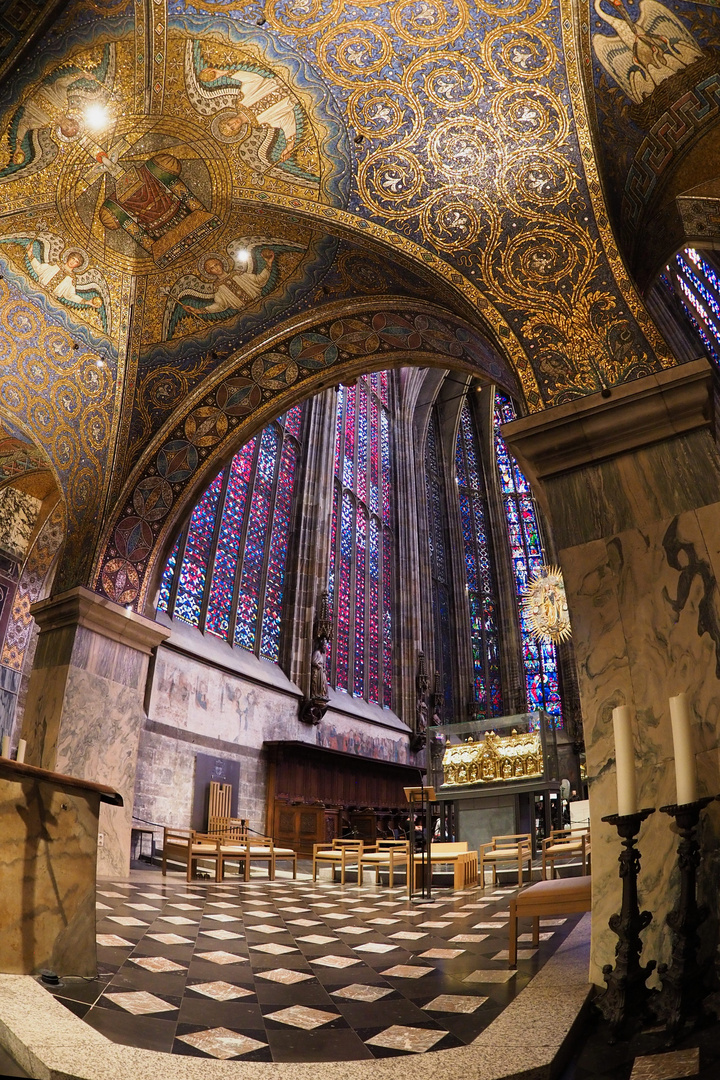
[[314, 707]]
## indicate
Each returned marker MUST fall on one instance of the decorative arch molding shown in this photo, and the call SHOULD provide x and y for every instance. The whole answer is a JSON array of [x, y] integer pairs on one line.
[[250, 390]]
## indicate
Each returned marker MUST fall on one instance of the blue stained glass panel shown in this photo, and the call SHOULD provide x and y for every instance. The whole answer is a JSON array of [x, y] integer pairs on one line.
[[191, 583], [360, 561], [167, 578], [255, 539], [539, 659], [222, 583], [277, 555], [478, 568], [342, 637]]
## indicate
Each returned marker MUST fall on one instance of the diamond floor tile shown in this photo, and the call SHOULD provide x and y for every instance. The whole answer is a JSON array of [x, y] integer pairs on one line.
[[413, 1040], [219, 990], [361, 992], [221, 1043], [455, 1003], [300, 1016], [139, 1002]]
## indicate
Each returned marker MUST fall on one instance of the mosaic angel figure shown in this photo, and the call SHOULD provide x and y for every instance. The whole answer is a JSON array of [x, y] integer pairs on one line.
[[58, 103], [63, 273], [643, 53], [226, 285], [251, 107]]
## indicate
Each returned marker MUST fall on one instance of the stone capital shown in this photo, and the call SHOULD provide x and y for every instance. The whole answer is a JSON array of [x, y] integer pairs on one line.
[[621, 420], [82, 607]]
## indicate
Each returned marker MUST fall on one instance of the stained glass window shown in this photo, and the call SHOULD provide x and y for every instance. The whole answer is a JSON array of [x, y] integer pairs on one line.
[[539, 658], [479, 573], [697, 289], [437, 517], [360, 579], [226, 572]]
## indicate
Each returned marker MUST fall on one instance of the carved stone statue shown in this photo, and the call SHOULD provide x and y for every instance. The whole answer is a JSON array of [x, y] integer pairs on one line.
[[318, 676], [314, 707]]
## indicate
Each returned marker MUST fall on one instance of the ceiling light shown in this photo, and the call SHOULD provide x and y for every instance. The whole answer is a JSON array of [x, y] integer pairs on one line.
[[243, 254], [96, 116]]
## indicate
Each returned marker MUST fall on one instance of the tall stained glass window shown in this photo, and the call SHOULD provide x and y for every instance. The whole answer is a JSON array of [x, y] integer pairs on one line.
[[226, 572], [697, 288], [478, 568], [437, 517], [539, 658], [361, 558]]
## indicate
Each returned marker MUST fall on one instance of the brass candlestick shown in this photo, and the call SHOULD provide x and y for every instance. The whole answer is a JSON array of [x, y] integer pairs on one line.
[[624, 1002], [685, 980]]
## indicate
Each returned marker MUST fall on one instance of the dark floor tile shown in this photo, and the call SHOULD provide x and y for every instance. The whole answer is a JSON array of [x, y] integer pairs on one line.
[[242, 1015], [142, 1031], [323, 1044], [79, 1008]]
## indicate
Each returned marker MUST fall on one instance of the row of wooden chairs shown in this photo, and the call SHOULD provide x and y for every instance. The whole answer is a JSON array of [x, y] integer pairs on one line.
[[191, 848], [516, 849], [394, 854]]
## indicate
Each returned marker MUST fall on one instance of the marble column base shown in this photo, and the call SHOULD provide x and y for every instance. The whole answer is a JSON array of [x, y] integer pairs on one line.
[[84, 710]]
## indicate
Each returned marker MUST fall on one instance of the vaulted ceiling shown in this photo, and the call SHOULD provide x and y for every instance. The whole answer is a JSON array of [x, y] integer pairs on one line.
[[208, 211]]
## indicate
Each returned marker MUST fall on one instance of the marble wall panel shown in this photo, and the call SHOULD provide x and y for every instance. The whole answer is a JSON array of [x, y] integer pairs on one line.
[[645, 613], [47, 878]]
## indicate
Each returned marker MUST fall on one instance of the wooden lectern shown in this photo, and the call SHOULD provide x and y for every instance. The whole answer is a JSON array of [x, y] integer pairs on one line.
[[48, 860]]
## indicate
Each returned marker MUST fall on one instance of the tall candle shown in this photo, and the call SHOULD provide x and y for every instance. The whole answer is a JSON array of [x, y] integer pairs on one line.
[[624, 761], [685, 764], [5, 746], [22, 747]]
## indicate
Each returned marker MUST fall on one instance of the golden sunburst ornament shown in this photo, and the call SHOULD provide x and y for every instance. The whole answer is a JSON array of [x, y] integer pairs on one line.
[[545, 605]]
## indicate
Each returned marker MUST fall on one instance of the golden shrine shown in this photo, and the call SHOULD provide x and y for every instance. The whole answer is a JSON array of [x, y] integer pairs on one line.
[[497, 757]]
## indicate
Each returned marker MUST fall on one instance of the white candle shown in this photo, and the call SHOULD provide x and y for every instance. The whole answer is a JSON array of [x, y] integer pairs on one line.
[[624, 761], [22, 747], [685, 764], [6, 746]]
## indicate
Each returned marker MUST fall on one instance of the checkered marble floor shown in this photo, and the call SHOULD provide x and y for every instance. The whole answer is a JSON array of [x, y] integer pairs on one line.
[[296, 971]]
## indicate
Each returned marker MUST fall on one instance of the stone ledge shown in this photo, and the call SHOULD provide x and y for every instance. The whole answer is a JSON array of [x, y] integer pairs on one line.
[[50, 1043], [661, 406], [82, 607]]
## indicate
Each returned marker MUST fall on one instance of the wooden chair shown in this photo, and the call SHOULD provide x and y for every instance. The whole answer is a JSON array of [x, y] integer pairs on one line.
[[341, 853], [188, 847], [390, 853], [259, 849], [512, 848], [228, 828], [561, 896], [562, 843]]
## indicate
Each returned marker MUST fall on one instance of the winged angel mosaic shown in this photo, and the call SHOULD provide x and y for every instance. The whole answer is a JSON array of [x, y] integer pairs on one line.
[[56, 107], [252, 110], [63, 272], [226, 283], [642, 53]]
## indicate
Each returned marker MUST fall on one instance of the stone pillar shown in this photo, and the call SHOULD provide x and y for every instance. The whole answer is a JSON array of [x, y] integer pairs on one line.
[[84, 709], [630, 483]]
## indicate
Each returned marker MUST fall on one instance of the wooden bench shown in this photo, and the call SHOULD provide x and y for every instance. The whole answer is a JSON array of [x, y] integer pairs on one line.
[[464, 863], [512, 848], [562, 896], [564, 843]]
